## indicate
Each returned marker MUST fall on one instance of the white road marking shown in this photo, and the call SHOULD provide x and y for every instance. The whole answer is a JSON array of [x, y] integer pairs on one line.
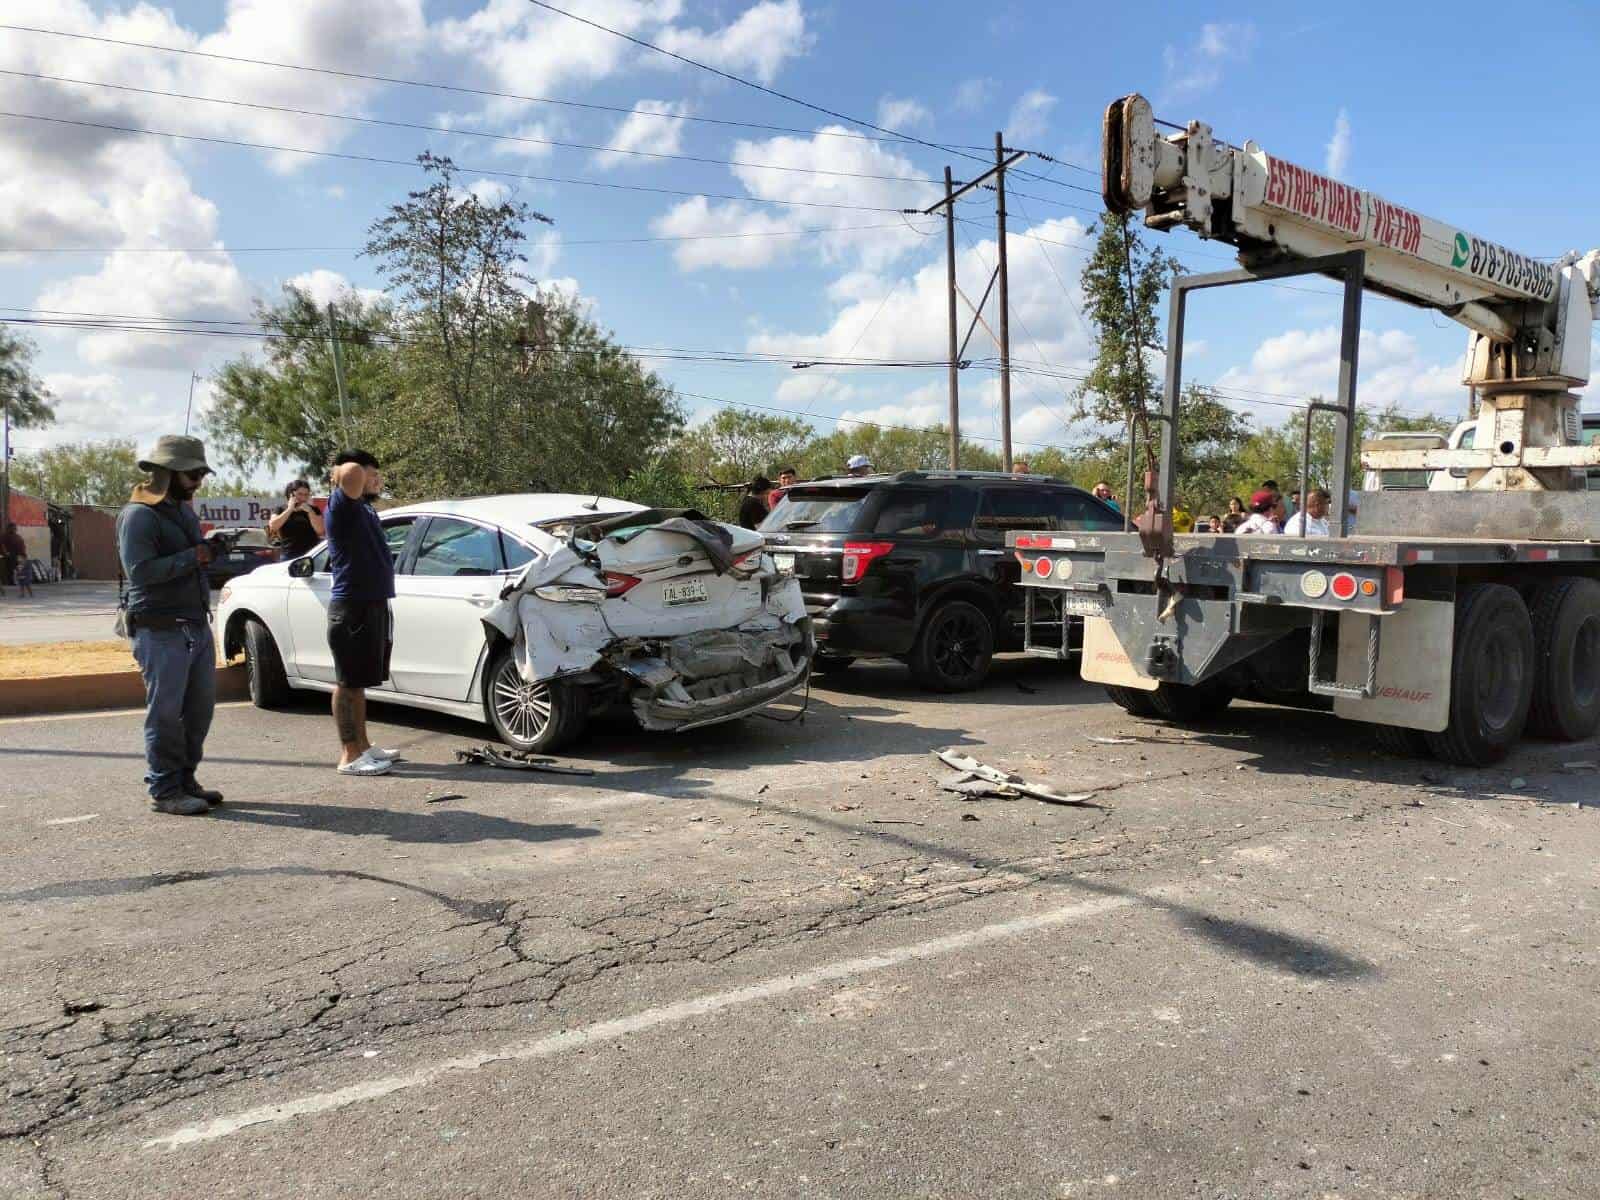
[[102, 712], [73, 820], [650, 1018]]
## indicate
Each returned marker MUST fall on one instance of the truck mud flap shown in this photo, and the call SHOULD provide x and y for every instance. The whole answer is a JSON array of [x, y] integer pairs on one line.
[[1413, 688], [1105, 661]]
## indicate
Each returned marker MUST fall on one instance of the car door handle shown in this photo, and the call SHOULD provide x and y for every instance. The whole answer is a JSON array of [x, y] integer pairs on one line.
[[482, 599]]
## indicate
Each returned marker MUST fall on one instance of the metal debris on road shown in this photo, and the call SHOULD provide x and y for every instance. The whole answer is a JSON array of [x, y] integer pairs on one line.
[[974, 779], [515, 760], [443, 798], [888, 822], [1109, 741]]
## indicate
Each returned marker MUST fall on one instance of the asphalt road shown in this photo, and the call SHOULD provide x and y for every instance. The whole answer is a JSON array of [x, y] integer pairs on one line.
[[774, 960], [76, 611]]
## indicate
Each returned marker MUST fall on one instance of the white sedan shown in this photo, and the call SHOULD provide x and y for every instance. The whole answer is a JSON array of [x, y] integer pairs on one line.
[[527, 611]]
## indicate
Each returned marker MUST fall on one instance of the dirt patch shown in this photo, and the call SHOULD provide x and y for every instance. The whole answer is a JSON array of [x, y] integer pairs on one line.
[[47, 659]]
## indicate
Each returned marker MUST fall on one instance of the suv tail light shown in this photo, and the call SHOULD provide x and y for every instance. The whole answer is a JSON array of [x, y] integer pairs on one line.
[[858, 556], [618, 584]]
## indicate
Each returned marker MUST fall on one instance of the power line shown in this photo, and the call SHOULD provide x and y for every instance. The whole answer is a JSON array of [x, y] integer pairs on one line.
[[434, 85], [477, 133], [750, 83], [401, 162], [565, 242]]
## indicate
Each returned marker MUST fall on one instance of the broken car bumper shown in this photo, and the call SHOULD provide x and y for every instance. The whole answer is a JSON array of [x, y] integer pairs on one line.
[[702, 679]]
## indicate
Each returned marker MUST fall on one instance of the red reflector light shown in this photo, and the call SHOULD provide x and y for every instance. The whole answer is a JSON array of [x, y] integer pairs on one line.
[[1394, 586], [618, 584], [1343, 586], [858, 556]]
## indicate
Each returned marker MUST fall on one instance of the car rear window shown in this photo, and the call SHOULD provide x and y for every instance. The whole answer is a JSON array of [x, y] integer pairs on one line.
[[913, 513], [824, 510], [1006, 510]]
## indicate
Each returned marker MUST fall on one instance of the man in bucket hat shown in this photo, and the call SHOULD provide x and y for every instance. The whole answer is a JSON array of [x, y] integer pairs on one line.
[[164, 556]]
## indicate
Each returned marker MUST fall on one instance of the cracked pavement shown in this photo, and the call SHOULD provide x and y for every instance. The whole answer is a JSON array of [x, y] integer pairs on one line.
[[1303, 967]]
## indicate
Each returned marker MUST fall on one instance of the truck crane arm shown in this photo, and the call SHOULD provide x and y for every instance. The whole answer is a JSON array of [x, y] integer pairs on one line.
[[1531, 318]]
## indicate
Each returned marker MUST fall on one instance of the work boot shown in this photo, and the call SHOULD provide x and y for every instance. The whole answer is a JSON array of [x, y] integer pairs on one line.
[[211, 796], [179, 805]]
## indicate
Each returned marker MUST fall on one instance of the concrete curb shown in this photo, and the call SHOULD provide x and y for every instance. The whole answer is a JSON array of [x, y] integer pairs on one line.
[[86, 693]]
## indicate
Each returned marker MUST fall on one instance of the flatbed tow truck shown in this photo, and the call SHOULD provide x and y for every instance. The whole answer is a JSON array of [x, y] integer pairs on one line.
[[1453, 622]]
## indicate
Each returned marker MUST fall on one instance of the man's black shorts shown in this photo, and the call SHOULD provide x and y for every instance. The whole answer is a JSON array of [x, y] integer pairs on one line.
[[360, 638]]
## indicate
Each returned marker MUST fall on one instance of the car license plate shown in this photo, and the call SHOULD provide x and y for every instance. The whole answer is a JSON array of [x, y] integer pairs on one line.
[[1082, 604], [685, 591], [784, 562]]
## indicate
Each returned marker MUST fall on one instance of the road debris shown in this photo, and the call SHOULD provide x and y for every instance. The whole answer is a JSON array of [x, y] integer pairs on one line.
[[445, 796], [516, 760], [1109, 741], [889, 822], [974, 779]]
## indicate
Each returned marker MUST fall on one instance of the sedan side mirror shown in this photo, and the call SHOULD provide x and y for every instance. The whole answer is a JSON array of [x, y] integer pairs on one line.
[[301, 568]]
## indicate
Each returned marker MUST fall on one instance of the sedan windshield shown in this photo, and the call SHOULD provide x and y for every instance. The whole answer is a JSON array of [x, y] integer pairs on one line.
[[826, 510]]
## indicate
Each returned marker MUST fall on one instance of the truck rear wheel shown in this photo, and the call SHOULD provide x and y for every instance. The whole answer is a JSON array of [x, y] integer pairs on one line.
[[1186, 703], [1136, 702], [1491, 677], [1566, 654], [1407, 743]]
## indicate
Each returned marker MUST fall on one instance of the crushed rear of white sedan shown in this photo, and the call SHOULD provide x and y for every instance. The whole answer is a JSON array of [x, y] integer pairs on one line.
[[686, 621]]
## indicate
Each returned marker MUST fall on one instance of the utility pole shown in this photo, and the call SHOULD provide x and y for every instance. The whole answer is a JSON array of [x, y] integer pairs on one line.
[[194, 378], [950, 273], [948, 207], [1005, 302], [338, 374]]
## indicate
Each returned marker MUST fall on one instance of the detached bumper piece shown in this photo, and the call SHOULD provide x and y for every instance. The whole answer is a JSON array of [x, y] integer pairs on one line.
[[719, 675]]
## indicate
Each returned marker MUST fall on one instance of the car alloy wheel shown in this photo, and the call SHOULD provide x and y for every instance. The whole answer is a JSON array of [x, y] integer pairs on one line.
[[523, 708]]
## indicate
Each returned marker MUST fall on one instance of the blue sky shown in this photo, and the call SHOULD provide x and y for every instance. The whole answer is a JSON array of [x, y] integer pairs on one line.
[[1475, 120]]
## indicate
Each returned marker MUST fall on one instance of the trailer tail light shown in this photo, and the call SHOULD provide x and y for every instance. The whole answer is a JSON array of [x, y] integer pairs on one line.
[[1369, 587], [1042, 567], [1343, 586], [618, 584], [858, 556], [1313, 585]]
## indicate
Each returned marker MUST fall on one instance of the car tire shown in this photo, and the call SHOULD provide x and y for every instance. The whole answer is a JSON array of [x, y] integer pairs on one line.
[[954, 649], [1566, 650], [1136, 702], [535, 718], [263, 665], [1491, 677], [830, 664], [1190, 703]]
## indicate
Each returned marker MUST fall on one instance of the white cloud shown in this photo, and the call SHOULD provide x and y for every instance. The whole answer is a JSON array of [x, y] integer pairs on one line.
[[94, 406], [1198, 67], [972, 95], [1030, 116], [326, 287], [1339, 146], [648, 129], [902, 113], [823, 170], [489, 193], [743, 235], [1293, 366], [759, 41]]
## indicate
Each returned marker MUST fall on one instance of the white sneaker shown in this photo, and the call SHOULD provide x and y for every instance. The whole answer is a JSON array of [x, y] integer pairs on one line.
[[366, 765], [380, 752]]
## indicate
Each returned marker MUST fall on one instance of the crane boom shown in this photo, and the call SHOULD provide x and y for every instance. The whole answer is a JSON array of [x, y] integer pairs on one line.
[[1533, 315], [1530, 321]]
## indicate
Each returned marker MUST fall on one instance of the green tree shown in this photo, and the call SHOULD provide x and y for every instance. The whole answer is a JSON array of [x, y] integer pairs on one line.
[[1211, 439], [26, 399], [735, 445], [286, 408], [1120, 380], [80, 472], [499, 385], [1275, 452]]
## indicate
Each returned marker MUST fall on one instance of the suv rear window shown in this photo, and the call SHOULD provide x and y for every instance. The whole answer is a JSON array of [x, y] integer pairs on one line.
[[1006, 510], [824, 510]]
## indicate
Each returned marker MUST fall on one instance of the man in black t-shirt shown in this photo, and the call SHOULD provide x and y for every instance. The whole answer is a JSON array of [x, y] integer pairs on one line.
[[753, 508], [297, 527]]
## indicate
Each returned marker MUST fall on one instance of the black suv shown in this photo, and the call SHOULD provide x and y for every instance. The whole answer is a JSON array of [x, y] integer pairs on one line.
[[914, 566]]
